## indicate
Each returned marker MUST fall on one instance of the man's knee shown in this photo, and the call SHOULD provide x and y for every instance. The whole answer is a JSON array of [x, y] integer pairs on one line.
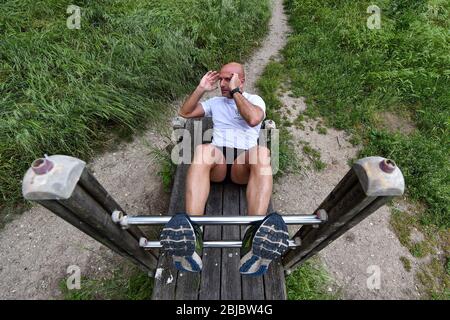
[[260, 161], [259, 156]]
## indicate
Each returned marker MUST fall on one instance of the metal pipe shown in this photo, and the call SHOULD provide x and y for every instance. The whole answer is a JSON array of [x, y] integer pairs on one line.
[[207, 244], [305, 219]]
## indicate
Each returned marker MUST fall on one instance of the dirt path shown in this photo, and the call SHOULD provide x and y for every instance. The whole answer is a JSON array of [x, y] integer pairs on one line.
[[37, 247]]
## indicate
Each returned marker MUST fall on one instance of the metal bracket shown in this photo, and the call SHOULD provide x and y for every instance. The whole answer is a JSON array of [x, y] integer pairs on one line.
[[120, 218]]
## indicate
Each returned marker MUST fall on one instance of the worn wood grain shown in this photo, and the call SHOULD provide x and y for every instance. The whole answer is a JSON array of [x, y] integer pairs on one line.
[[252, 287], [90, 212], [231, 278], [274, 282], [212, 257]]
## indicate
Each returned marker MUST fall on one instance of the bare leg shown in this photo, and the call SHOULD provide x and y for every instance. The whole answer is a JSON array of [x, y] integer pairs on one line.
[[208, 164], [257, 173]]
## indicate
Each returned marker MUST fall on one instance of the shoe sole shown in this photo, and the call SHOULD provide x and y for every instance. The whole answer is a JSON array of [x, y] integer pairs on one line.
[[178, 237], [269, 243], [178, 240], [191, 264]]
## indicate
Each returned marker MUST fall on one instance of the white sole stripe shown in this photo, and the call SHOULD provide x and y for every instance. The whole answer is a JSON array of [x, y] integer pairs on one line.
[[274, 242], [177, 230], [275, 230], [182, 240]]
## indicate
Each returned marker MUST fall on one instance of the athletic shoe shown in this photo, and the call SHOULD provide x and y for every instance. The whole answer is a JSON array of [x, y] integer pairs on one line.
[[263, 242], [183, 240]]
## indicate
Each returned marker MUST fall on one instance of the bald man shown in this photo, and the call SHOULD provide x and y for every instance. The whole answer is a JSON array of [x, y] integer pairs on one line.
[[234, 156]]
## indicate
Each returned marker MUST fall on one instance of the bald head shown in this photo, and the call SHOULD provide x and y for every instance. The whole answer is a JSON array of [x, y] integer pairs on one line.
[[226, 72], [234, 67]]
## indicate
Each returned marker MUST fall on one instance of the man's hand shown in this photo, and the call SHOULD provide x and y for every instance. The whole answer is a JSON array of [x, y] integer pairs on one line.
[[209, 81], [235, 82]]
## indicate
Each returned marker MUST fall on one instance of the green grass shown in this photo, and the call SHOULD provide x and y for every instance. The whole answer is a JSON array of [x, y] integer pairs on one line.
[[350, 74], [406, 263], [167, 168], [272, 79], [435, 280], [447, 266], [403, 223], [310, 282], [321, 130], [433, 276], [66, 91], [134, 285], [298, 122], [314, 156]]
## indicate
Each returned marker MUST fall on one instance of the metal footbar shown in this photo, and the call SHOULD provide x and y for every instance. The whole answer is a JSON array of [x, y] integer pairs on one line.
[[125, 221]]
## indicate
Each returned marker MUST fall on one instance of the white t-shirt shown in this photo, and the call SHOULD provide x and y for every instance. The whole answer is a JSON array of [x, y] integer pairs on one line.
[[229, 128]]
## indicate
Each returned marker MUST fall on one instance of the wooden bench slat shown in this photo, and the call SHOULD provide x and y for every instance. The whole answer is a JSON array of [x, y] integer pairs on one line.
[[220, 278], [178, 196], [188, 283], [166, 283], [274, 282], [231, 278], [252, 287], [212, 259]]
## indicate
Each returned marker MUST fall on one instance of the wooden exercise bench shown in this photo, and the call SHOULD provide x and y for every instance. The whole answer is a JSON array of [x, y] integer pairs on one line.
[[220, 278]]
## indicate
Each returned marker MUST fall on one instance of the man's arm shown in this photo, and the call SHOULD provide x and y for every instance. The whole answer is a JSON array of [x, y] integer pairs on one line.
[[192, 108], [251, 113]]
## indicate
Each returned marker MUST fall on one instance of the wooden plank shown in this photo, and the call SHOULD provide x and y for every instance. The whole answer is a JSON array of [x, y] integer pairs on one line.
[[166, 274], [348, 206], [68, 216], [274, 282], [187, 282], [207, 124], [231, 278], [185, 285], [173, 284], [372, 207], [177, 198], [252, 287], [92, 213], [165, 279], [212, 257], [343, 187], [96, 191]]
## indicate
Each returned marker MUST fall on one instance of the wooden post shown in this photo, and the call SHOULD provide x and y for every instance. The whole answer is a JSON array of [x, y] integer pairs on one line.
[[67, 215], [63, 185], [369, 184], [96, 190]]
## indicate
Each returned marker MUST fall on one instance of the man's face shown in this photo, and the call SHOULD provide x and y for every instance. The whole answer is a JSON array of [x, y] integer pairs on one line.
[[224, 79]]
